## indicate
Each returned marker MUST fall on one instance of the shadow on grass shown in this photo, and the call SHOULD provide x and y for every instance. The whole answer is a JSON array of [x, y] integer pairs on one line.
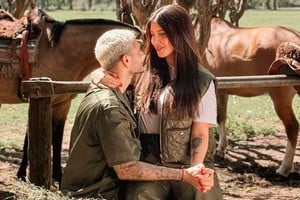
[[7, 195], [11, 155]]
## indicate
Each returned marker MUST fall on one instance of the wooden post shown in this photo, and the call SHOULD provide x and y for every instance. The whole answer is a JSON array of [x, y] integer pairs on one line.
[[39, 140], [40, 132]]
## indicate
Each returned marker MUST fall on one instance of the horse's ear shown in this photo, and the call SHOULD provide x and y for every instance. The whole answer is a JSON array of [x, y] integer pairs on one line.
[[33, 16]]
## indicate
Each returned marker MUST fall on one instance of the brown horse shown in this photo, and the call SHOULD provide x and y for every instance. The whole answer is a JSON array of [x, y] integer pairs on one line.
[[236, 51], [66, 53]]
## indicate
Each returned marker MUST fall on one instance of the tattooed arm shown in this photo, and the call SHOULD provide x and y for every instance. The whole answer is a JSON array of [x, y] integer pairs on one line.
[[141, 171], [199, 146], [199, 142]]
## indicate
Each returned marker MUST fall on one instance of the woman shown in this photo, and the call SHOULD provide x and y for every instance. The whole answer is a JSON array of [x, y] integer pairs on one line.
[[176, 102]]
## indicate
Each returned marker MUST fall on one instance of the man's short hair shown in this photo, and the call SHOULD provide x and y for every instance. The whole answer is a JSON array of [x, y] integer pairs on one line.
[[112, 45]]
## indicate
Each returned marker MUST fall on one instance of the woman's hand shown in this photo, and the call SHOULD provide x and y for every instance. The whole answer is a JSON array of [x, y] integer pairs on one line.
[[106, 78], [200, 177], [206, 179]]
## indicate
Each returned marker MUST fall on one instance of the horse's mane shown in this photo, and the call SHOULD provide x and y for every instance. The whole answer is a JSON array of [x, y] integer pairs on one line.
[[55, 32], [47, 17], [39, 18], [58, 27], [102, 22]]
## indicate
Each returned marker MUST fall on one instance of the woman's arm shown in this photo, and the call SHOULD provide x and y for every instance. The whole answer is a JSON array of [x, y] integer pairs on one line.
[[199, 142], [201, 125]]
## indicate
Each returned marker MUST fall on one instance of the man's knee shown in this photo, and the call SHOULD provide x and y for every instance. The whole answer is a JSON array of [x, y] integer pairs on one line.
[[148, 190]]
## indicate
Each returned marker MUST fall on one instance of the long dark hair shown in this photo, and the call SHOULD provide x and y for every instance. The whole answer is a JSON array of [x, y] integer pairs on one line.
[[177, 24]]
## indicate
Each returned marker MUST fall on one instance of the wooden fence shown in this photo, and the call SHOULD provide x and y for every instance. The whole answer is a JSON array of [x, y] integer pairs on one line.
[[41, 90]]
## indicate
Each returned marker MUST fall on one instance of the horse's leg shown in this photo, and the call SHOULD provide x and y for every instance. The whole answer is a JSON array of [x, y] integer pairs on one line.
[[282, 101], [59, 116], [222, 100], [21, 174]]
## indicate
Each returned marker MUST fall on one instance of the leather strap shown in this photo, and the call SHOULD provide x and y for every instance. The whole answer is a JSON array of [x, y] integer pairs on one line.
[[24, 56]]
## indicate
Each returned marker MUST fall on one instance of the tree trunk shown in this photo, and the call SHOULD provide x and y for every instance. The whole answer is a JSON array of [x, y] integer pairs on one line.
[[71, 4], [18, 7], [204, 20], [58, 5], [275, 5], [90, 4]]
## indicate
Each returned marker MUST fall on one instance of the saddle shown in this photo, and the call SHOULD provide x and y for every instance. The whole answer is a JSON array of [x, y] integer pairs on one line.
[[18, 45], [287, 60]]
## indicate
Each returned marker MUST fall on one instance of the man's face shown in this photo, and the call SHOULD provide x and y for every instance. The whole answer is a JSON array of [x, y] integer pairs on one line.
[[137, 58]]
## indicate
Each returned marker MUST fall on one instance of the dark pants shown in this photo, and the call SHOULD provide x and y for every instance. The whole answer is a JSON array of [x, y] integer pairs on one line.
[[175, 190], [159, 190], [170, 190]]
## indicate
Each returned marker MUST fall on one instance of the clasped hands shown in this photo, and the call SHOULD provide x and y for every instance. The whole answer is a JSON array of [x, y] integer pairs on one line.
[[200, 177]]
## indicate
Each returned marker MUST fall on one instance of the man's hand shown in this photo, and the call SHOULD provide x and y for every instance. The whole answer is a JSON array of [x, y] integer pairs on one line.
[[106, 78], [200, 177]]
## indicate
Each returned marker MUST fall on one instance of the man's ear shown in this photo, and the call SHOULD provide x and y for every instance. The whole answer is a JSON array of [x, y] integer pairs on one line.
[[125, 60]]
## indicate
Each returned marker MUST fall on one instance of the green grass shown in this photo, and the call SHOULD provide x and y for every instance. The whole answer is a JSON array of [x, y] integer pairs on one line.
[[282, 17], [248, 117], [63, 15]]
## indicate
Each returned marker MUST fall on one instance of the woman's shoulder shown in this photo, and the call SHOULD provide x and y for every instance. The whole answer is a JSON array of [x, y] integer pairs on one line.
[[205, 72], [205, 80]]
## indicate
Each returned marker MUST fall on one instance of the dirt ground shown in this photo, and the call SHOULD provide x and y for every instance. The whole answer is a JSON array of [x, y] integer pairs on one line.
[[247, 172]]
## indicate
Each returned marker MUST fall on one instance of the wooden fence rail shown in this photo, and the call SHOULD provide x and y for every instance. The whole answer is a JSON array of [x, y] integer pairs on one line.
[[41, 90]]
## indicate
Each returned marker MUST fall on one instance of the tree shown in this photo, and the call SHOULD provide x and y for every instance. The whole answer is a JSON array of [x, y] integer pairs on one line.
[[18, 7]]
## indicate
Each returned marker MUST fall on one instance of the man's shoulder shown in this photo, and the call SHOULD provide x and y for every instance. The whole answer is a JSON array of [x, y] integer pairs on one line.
[[100, 96]]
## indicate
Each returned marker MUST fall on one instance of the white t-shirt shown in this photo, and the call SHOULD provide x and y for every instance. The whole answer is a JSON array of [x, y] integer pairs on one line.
[[149, 123]]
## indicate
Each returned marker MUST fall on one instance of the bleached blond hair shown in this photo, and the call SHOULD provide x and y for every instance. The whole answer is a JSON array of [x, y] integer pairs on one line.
[[111, 45]]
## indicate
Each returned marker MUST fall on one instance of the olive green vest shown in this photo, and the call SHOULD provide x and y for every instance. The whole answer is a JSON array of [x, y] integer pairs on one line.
[[175, 134]]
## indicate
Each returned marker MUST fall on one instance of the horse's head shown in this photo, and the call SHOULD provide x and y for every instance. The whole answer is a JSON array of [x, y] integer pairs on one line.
[[38, 17], [40, 21]]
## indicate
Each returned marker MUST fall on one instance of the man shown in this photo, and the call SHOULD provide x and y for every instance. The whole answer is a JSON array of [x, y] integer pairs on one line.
[[104, 146]]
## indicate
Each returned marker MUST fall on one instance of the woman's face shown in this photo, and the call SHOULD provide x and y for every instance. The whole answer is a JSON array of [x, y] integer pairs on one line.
[[161, 43]]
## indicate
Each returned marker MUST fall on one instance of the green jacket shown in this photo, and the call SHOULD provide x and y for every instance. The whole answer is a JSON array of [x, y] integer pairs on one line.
[[103, 135]]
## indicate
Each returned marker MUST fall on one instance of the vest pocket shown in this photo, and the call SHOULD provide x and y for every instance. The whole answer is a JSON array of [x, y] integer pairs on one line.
[[176, 146]]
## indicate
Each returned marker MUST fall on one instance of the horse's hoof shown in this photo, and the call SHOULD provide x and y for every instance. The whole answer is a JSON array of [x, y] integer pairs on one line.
[[56, 176], [22, 178], [283, 172]]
